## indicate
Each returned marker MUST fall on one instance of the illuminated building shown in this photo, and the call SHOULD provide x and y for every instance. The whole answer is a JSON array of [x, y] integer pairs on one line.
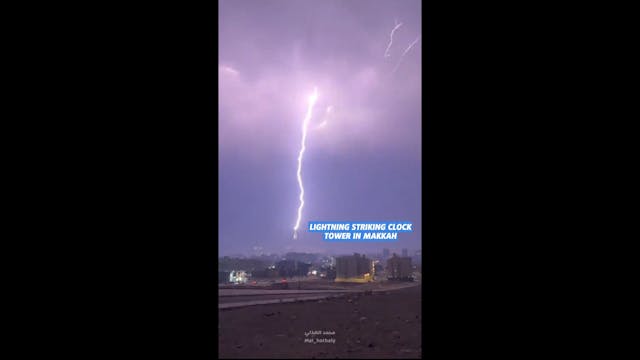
[[354, 268], [238, 277]]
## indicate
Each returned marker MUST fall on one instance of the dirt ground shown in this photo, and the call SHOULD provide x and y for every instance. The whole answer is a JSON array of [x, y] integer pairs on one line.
[[380, 325]]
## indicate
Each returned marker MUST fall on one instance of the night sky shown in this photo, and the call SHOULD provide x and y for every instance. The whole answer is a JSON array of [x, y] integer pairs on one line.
[[362, 164]]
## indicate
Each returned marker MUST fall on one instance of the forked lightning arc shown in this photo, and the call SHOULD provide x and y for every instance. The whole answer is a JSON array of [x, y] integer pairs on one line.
[[305, 125]]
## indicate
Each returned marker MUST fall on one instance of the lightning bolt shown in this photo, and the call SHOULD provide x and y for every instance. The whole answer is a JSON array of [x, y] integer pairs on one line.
[[405, 52], [386, 52], [324, 121], [305, 124]]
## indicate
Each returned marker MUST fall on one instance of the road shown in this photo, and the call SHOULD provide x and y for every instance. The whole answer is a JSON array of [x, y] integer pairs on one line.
[[231, 298]]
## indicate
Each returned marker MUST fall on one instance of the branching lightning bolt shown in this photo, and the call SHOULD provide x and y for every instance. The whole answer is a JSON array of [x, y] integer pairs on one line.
[[405, 52], [305, 125], [386, 52], [324, 122]]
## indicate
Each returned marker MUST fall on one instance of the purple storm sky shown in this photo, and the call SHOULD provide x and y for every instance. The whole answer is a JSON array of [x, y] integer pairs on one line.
[[362, 164]]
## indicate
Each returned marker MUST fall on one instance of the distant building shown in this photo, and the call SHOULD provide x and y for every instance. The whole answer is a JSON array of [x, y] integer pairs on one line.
[[331, 273], [379, 269], [385, 254], [354, 268], [223, 277], [405, 253], [399, 268], [291, 268], [417, 257], [238, 277], [328, 261], [269, 272]]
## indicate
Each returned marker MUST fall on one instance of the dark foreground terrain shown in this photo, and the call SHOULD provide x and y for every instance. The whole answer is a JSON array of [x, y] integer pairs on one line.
[[380, 325]]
